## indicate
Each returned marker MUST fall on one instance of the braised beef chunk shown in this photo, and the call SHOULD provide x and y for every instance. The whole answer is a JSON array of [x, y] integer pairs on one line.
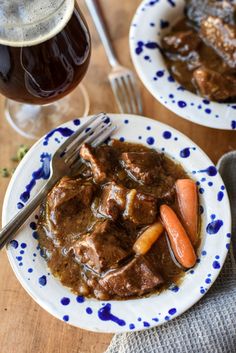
[[167, 197], [113, 200], [136, 278], [197, 10], [181, 43], [104, 248], [100, 161], [143, 166], [214, 85], [221, 37], [137, 207], [68, 197], [140, 208]]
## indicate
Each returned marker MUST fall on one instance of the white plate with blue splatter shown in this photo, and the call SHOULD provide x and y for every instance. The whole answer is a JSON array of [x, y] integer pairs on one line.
[[127, 315], [152, 20]]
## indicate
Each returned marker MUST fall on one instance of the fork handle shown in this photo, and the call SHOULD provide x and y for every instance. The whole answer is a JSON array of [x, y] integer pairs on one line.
[[9, 231], [102, 31]]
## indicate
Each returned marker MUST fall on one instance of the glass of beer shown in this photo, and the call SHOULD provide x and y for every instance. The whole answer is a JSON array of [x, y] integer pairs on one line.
[[44, 54]]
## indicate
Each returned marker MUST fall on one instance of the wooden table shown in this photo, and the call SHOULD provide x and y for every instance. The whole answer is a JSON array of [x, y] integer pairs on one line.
[[25, 327]]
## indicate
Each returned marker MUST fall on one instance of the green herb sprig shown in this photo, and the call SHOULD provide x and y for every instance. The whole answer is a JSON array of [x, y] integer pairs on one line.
[[4, 172], [20, 153]]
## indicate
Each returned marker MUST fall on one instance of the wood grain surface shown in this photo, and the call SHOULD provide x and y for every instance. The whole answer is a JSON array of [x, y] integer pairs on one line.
[[24, 326]]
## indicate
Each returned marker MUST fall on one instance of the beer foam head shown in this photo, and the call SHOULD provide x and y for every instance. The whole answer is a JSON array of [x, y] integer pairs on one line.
[[30, 22]]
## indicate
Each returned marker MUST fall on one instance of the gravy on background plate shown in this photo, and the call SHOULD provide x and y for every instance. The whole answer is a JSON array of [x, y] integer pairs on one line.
[[200, 50]]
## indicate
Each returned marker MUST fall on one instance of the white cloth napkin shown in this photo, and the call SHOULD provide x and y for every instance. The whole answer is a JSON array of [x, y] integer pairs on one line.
[[210, 326]]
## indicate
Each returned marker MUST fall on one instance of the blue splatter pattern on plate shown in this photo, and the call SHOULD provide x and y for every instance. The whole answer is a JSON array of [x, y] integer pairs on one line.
[[152, 20], [136, 314]]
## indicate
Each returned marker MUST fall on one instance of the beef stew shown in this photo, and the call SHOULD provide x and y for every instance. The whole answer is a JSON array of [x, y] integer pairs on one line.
[[102, 232], [200, 50]]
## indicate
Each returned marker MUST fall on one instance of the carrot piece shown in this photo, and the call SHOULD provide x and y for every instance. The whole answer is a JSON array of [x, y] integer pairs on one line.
[[187, 196], [179, 240], [148, 238]]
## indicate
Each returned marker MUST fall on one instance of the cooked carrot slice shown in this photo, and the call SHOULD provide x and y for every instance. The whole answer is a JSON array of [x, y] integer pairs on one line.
[[179, 240], [186, 190], [148, 238]]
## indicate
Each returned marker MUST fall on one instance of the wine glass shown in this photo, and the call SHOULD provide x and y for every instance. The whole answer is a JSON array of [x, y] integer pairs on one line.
[[45, 51]]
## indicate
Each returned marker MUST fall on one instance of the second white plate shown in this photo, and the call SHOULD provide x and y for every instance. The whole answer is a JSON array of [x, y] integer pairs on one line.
[[151, 21]]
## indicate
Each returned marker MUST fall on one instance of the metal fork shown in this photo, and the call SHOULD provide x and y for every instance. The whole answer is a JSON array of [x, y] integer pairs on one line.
[[122, 80], [65, 161]]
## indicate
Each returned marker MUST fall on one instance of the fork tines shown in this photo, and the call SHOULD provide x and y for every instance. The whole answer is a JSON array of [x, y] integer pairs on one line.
[[95, 131], [126, 91]]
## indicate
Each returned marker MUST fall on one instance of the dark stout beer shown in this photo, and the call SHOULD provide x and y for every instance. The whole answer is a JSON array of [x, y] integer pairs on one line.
[[38, 68]]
